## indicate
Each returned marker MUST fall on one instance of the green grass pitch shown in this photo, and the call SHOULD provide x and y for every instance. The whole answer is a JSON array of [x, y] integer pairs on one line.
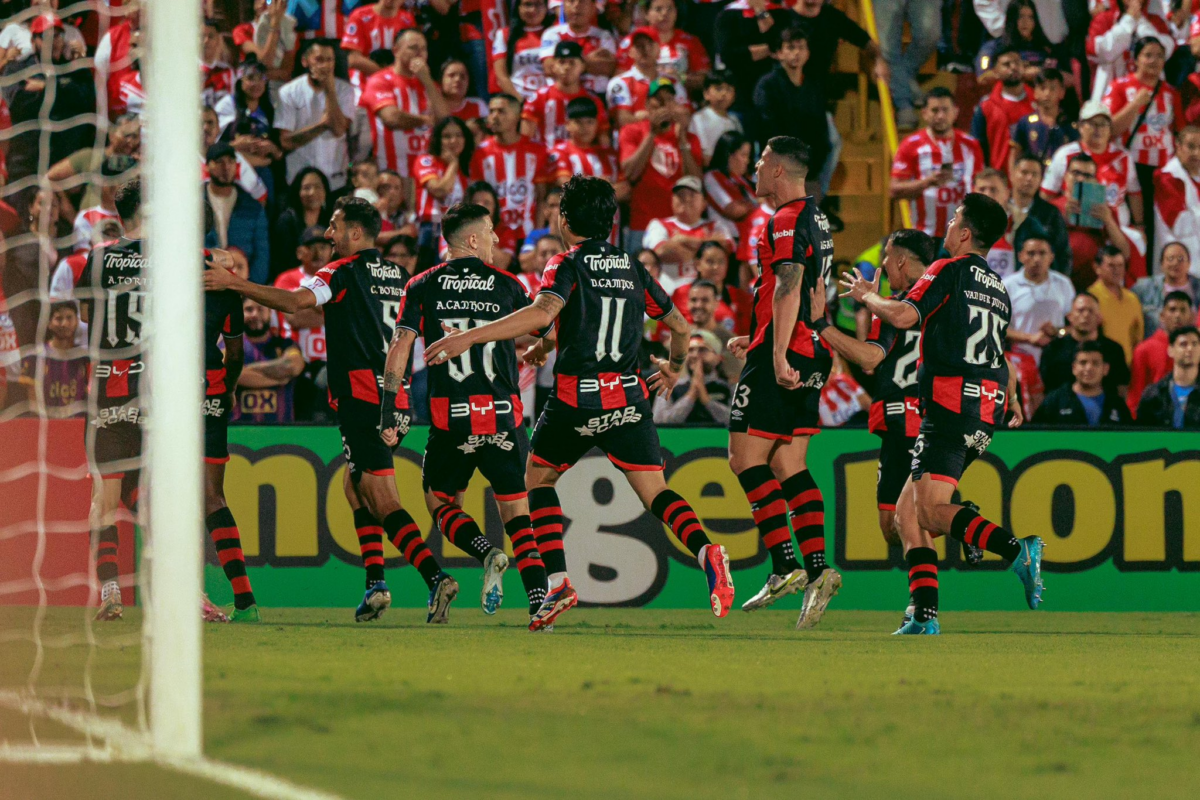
[[674, 704]]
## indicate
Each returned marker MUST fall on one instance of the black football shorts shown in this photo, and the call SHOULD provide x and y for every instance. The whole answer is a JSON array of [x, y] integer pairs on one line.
[[761, 407], [947, 444], [451, 459], [563, 435], [895, 464], [216, 429], [114, 440], [365, 451]]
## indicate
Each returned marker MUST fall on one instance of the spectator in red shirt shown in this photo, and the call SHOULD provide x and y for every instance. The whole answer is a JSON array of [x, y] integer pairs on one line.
[[455, 81], [627, 91], [374, 27], [1151, 359], [655, 153], [1009, 101], [734, 304], [545, 117], [517, 51], [441, 179], [582, 154], [676, 239]]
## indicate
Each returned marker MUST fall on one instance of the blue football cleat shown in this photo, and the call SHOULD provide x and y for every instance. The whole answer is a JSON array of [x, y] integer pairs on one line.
[[914, 628], [494, 565], [375, 601], [1028, 567]]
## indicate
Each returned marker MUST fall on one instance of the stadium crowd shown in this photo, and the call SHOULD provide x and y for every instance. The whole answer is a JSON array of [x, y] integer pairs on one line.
[[1083, 119]]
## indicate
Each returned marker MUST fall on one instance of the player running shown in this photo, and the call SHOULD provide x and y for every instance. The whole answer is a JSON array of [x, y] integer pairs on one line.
[[361, 294], [597, 295], [964, 311], [776, 404], [478, 422]]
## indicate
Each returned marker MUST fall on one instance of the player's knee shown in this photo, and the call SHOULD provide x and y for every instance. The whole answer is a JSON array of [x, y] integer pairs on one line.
[[214, 499], [887, 526], [926, 516]]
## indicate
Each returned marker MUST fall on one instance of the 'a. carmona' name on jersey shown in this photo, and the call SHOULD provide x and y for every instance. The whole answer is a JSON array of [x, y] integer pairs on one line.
[[466, 283], [384, 271]]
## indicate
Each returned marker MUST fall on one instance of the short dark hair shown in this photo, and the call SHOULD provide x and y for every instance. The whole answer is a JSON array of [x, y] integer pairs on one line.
[[653, 255], [984, 218], [582, 108], [1178, 296], [791, 148], [718, 77], [919, 243], [1178, 244], [1186, 330], [1086, 295], [1082, 158], [357, 211], [483, 186], [128, 199], [1049, 75], [589, 206], [510, 99], [1144, 42], [1091, 346], [434, 148], [1006, 50], [703, 284], [1108, 251], [1037, 234], [709, 244], [942, 92], [1024, 155], [460, 216], [794, 33], [409, 243]]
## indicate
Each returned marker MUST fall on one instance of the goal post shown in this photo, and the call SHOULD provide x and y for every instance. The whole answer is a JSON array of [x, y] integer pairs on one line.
[[173, 208]]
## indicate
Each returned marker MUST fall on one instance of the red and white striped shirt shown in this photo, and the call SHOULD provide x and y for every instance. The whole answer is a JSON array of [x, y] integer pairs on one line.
[[219, 80], [514, 170], [630, 89], [683, 54], [425, 169], [367, 30], [396, 148], [921, 155], [471, 108], [1153, 143], [723, 191], [660, 230], [86, 224], [599, 161], [755, 223], [591, 40], [1114, 169], [310, 340], [527, 73], [840, 399], [329, 21], [548, 112]]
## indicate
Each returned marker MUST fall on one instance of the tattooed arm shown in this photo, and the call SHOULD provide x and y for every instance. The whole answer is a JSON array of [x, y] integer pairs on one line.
[[785, 306], [391, 417], [531, 318], [668, 371]]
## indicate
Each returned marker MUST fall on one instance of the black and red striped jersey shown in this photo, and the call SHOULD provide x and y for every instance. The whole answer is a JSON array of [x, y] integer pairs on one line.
[[361, 296], [222, 319], [797, 232], [895, 409], [477, 392], [606, 294], [114, 287], [964, 311]]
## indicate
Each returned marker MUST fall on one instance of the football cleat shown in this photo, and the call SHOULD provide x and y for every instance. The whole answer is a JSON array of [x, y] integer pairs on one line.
[[375, 601], [908, 616], [245, 615], [914, 628], [816, 598], [1028, 567], [720, 581], [971, 554], [492, 595], [777, 586], [209, 612], [559, 599], [110, 603], [445, 589]]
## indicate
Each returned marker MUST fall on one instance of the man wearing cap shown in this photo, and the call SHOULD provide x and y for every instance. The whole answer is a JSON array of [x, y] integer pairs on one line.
[[307, 326], [584, 153], [1114, 167], [545, 116], [655, 153], [701, 395], [239, 219], [627, 92], [676, 239], [597, 46]]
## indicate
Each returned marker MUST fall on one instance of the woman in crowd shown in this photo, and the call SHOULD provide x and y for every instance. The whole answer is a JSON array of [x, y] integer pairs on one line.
[[681, 56], [308, 204], [725, 183], [441, 179], [733, 304], [1022, 30], [247, 120], [517, 51], [455, 82]]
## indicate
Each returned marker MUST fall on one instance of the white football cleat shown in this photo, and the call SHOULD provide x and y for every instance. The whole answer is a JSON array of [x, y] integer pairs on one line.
[[777, 586], [494, 565], [816, 598]]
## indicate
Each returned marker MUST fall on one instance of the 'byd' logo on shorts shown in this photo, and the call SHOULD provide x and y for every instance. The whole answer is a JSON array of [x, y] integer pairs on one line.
[[613, 419]]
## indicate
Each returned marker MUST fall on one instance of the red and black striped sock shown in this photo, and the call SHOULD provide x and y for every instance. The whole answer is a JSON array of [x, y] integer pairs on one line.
[[770, 513], [682, 520], [971, 528], [923, 582], [106, 554], [406, 536], [546, 515], [807, 508], [462, 531], [370, 544], [529, 561], [223, 529]]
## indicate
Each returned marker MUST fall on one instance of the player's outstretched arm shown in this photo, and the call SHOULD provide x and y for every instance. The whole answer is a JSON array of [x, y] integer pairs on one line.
[[664, 380], [531, 318], [390, 416], [865, 354], [895, 313], [785, 305], [217, 278]]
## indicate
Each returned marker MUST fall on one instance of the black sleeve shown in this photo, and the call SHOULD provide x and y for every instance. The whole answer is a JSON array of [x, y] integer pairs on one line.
[[762, 99], [1045, 412], [1118, 370], [847, 28], [235, 322], [1147, 413], [730, 43], [411, 304], [1123, 415]]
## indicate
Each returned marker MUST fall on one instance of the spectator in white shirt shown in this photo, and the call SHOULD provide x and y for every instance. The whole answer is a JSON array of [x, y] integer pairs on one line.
[[313, 117], [1040, 297], [714, 119]]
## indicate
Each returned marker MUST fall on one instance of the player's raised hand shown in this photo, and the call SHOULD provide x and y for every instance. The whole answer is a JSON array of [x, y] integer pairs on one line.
[[738, 346], [664, 380], [857, 287], [219, 274], [453, 344]]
